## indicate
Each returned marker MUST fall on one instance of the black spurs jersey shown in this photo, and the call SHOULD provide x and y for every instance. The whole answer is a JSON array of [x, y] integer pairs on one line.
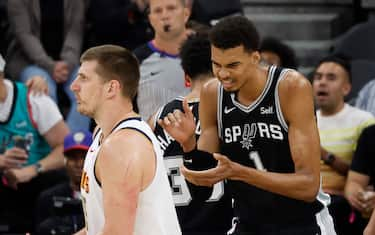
[[257, 136], [196, 214]]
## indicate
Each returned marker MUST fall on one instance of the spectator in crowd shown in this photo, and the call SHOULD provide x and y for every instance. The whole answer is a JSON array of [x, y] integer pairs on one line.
[[359, 189], [47, 43], [366, 97], [339, 127], [274, 51], [59, 208], [199, 210], [119, 22], [162, 78], [31, 138]]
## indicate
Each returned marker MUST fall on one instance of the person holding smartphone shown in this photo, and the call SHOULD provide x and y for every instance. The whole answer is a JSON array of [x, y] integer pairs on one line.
[[32, 133]]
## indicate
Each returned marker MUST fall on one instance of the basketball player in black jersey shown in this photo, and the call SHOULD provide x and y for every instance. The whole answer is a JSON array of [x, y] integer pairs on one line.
[[261, 120], [200, 210]]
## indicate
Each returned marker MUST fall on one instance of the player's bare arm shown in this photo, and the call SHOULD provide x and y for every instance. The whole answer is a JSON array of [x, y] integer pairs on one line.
[[296, 101], [124, 170], [295, 93], [209, 139]]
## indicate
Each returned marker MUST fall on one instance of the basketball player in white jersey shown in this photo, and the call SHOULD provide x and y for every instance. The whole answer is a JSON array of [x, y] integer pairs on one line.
[[124, 185]]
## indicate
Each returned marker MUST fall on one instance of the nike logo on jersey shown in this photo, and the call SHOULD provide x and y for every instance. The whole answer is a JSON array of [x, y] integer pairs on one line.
[[21, 124], [226, 110], [154, 73]]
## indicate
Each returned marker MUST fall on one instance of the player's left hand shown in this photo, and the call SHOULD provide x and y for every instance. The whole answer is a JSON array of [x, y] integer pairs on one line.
[[223, 170]]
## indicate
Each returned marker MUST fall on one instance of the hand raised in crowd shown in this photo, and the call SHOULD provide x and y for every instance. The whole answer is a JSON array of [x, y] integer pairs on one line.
[[37, 85], [13, 158], [180, 125], [60, 71]]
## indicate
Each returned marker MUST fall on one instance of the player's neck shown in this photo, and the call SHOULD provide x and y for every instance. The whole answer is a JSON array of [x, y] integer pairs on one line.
[[113, 116], [253, 87], [197, 85]]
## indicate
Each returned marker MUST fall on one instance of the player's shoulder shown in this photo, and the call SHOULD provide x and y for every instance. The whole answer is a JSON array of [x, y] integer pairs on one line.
[[293, 81], [126, 140], [211, 86]]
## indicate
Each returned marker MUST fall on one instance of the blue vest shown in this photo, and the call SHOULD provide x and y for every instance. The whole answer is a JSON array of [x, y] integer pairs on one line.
[[19, 124]]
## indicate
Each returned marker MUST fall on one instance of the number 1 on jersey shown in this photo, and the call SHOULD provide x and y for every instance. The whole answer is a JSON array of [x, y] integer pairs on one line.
[[254, 156]]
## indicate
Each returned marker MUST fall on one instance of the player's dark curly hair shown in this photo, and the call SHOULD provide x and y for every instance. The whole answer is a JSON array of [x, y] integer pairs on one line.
[[286, 53], [195, 54], [235, 31]]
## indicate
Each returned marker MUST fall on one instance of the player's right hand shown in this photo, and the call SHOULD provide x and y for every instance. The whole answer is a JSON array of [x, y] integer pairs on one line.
[[180, 125]]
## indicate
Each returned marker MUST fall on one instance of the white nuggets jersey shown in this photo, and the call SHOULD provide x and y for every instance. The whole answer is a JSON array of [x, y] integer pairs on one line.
[[155, 214]]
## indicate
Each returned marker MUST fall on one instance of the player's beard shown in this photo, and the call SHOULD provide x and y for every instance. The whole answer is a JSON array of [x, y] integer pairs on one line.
[[84, 111]]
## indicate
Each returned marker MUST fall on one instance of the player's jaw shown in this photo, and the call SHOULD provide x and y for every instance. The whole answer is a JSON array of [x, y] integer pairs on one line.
[[83, 107], [228, 84]]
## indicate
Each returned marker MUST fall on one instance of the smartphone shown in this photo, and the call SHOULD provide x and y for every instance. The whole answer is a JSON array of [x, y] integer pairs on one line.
[[20, 142]]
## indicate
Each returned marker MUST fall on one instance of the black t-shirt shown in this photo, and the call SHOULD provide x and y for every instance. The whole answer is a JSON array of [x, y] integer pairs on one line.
[[364, 157], [52, 26]]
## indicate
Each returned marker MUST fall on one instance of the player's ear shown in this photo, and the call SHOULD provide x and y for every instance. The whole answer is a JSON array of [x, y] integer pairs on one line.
[[187, 80], [346, 88], [255, 57], [113, 86]]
